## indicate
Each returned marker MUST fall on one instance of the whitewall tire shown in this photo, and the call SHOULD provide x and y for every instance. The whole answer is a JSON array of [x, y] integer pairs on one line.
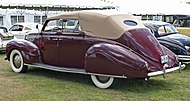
[[102, 81], [17, 62]]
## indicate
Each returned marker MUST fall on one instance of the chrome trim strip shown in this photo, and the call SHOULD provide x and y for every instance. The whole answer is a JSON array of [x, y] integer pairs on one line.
[[183, 57], [82, 71], [60, 69], [70, 70], [166, 71], [107, 75]]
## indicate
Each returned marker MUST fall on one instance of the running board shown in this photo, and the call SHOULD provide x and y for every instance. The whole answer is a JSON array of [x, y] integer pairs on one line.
[[69, 70], [56, 68]]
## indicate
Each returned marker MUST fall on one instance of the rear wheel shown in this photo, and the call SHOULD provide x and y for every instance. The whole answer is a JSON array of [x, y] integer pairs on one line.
[[102, 81], [17, 63]]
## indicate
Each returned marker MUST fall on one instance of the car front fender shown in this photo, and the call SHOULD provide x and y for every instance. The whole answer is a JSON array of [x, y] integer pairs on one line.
[[111, 59], [30, 51]]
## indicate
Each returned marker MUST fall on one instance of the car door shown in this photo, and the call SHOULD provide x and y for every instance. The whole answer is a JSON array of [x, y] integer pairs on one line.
[[49, 48], [71, 49], [61, 46]]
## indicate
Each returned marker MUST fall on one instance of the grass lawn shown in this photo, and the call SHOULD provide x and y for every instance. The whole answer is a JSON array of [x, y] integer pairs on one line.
[[45, 85]]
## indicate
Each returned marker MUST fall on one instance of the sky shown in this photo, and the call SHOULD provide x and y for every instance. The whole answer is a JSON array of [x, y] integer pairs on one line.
[[75, 2], [154, 6], [94, 2], [57, 2], [130, 6]]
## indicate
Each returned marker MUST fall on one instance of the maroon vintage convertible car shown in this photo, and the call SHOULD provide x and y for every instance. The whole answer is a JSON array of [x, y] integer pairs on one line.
[[103, 45]]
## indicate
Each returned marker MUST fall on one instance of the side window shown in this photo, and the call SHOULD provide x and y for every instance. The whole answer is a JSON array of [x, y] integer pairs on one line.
[[71, 23], [65, 26], [16, 28], [170, 29], [54, 26], [72, 26], [167, 29], [27, 28], [161, 30]]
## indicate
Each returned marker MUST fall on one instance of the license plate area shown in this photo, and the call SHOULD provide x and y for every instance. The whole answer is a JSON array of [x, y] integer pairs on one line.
[[164, 59]]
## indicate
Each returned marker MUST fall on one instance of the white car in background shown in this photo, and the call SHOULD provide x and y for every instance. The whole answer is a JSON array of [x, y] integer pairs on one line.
[[5, 37], [20, 30]]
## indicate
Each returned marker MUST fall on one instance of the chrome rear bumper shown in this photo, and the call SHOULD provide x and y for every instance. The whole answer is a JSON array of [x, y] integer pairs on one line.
[[184, 58], [164, 71]]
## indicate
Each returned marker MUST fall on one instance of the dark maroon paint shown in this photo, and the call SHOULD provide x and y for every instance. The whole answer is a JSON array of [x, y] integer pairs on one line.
[[126, 56], [148, 48]]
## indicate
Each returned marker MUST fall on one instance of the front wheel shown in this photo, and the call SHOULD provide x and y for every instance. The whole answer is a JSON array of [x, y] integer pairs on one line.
[[102, 81], [17, 63]]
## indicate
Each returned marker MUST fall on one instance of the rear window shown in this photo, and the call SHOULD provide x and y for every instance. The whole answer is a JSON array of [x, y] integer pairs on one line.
[[130, 23]]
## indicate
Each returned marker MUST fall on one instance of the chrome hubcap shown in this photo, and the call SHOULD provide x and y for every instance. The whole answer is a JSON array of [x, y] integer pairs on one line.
[[17, 61], [103, 79]]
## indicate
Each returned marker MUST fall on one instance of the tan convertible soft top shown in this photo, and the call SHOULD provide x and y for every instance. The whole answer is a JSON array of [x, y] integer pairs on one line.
[[103, 24]]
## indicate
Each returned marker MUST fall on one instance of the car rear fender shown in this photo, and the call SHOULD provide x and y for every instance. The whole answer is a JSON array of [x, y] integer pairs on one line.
[[29, 51], [115, 60], [174, 47]]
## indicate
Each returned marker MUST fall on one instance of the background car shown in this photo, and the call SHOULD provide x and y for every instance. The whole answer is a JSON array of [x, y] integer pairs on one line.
[[104, 45], [3, 30], [177, 47], [20, 30], [168, 36], [167, 30], [4, 38]]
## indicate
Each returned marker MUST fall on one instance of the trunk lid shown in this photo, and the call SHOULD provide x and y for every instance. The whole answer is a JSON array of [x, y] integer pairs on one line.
[[146, 45]]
